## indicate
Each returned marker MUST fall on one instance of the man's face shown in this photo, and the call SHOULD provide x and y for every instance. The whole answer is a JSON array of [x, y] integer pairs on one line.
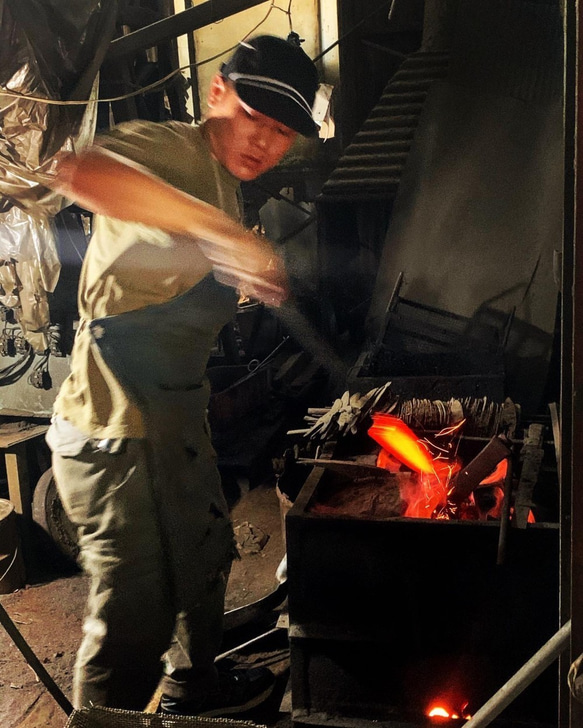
[[246, 142]]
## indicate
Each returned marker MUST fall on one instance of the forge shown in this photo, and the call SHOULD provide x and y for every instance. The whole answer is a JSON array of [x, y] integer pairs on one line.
[[393, 617]]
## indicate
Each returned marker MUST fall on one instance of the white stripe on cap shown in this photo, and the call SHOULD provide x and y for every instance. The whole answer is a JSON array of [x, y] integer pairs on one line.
[[271, 84]]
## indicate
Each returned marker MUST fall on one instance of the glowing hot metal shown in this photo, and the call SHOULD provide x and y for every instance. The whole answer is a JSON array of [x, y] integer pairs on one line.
[[394, 435]]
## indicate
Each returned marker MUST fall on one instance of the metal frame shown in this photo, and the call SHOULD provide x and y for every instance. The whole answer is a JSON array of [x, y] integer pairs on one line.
[[176, 25], [162, 35], [571, 712]]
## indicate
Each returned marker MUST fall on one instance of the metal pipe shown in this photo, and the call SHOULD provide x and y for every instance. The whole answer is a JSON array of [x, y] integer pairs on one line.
[[250, 642], [537, 664], [34, 662], [304, 333]]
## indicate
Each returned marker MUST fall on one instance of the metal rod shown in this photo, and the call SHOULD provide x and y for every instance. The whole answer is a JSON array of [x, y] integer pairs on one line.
[[537, 664], [388, 310], [505, 515], [252, 641], [194, 85], [313, 342], [34, 662], [173, 26], [556, 424]]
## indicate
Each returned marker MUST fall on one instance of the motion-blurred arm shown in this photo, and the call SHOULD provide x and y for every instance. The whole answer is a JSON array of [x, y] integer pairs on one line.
[[109, 184]]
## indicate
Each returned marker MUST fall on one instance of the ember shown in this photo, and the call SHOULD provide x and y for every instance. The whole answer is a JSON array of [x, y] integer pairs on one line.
[[426, 497], [440, 712]]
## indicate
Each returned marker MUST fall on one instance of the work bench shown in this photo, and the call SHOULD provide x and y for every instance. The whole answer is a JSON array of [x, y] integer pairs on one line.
[[14, 438]]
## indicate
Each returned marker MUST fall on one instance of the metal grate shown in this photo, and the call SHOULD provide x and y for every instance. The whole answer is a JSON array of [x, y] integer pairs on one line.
[[112, 718]]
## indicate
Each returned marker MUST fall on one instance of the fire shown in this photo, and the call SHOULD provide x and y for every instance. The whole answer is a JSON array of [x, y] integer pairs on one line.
[[499, 473], [440, 711], [531, 518], [426, 495]]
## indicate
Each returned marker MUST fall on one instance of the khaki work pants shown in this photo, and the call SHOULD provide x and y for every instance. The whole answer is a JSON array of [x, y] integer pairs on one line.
[[158, 552]]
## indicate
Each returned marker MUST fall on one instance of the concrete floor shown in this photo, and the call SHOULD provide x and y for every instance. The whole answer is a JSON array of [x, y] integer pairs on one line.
[[48, 613]]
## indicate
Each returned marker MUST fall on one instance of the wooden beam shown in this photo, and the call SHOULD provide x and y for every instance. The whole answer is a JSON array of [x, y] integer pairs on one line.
[[175, 25]]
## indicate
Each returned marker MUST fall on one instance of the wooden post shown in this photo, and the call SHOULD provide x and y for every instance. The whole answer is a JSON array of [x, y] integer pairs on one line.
[[19, 490], [12, 576]]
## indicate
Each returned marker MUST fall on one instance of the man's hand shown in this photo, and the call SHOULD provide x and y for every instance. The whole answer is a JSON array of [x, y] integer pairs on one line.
[[269, 285], [273, 287]]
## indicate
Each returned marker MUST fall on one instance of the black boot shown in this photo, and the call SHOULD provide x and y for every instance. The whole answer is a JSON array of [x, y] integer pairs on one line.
[[239, 690]]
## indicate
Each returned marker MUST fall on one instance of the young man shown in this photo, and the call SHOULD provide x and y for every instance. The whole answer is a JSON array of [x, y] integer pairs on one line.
[[132, 455]]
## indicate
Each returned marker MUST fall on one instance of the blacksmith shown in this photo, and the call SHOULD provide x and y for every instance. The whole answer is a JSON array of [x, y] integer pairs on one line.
[[132, 456]]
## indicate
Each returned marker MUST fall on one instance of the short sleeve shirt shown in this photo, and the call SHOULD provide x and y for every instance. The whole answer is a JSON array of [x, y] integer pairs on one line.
[[130, 266]]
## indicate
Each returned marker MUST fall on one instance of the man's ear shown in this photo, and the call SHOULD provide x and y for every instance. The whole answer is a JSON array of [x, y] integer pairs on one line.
[[217, 90]]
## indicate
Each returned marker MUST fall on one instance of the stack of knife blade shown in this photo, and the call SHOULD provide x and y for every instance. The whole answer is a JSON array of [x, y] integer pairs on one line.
[[347, 413], [481, 417]]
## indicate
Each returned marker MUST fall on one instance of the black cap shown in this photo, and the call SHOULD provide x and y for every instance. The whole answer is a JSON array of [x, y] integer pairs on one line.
[[276, 78]]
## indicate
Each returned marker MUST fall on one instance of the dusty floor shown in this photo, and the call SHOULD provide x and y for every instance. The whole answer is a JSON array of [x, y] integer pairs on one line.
[[49, 614]]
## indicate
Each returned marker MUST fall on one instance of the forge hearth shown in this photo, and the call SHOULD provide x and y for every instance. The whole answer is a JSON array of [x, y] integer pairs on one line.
[[389, 615]]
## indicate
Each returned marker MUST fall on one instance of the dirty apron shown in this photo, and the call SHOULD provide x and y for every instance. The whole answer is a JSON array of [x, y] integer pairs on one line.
[[160, 564]]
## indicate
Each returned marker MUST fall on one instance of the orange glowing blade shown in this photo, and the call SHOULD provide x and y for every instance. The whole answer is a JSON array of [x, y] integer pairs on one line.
[[394, 435]]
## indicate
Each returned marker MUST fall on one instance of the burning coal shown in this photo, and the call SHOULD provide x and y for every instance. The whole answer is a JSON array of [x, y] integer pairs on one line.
[[442, 713]]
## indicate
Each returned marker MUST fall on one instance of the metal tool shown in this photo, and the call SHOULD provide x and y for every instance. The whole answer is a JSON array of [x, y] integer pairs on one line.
[[499, 448], [34, 662], [248, 613], [351, 468]]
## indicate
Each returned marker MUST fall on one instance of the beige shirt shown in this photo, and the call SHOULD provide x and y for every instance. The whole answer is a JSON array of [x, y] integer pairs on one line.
[[129, 266]]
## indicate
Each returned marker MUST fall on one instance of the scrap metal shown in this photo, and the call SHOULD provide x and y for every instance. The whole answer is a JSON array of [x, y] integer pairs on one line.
[[347, 413], [480, 467]]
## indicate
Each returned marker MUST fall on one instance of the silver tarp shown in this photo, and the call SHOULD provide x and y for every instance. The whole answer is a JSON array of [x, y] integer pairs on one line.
[[49, 50]]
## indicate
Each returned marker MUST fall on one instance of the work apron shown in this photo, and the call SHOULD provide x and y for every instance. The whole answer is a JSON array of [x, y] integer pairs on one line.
[[155, 533]]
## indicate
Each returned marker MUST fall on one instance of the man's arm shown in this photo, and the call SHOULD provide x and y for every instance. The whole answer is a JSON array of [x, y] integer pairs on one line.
[[108, 184]]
